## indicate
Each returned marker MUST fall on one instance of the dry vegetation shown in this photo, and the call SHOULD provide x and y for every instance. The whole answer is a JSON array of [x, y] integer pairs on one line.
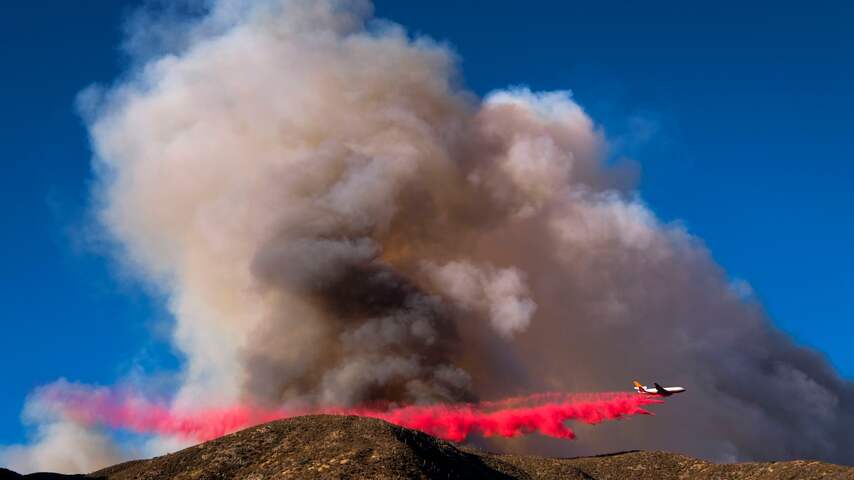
[[352, 447]]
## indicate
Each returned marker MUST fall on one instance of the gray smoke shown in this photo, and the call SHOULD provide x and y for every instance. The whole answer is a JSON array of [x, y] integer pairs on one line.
[[335, 220]]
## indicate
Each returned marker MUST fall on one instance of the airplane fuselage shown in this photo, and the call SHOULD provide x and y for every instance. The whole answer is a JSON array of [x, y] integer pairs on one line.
[[657, 390]]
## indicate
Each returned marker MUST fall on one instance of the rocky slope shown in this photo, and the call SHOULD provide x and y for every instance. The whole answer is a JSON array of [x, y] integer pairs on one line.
[[353, 447]]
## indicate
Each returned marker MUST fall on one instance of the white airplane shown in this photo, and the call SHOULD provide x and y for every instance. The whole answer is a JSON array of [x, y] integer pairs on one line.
[[658, 390]]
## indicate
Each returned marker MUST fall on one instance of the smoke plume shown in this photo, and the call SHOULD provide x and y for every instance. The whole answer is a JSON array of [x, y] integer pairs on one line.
[[60, 443], [336, 221]]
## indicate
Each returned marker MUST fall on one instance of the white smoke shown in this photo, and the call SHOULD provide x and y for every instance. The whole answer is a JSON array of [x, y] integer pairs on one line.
[[335, 220], [59, 444], [62, 446], [499, 293]]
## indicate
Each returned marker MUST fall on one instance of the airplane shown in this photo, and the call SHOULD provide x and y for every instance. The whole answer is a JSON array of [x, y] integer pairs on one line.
[[658, 390]]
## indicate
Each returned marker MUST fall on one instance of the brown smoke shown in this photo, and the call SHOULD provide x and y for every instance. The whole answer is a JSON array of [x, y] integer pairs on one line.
[[336, 220]]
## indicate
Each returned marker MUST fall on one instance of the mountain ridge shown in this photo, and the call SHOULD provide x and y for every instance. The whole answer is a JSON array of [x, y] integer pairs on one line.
[[328, 446]]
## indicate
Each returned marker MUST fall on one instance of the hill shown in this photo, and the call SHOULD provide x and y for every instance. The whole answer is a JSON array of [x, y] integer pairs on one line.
[[352, 447]]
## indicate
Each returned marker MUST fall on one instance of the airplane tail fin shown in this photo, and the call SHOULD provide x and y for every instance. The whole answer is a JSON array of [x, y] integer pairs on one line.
[[639, 386]]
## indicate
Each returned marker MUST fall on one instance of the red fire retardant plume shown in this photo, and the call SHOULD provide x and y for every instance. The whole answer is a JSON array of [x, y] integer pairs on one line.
[[545, 414]]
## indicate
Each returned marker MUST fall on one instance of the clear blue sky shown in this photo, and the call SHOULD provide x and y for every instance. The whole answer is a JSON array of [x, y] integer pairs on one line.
[[738, 113]]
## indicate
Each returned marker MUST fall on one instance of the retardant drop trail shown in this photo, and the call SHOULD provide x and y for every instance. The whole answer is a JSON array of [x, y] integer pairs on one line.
[[545, 414]]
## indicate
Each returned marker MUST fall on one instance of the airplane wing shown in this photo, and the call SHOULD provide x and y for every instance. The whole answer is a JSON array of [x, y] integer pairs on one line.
[[660, 389]]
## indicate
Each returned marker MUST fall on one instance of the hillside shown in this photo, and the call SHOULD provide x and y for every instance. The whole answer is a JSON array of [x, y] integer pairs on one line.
[[353, 447]]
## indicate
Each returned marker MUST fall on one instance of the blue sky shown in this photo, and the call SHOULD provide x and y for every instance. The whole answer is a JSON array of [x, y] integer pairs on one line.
[[739, 117]]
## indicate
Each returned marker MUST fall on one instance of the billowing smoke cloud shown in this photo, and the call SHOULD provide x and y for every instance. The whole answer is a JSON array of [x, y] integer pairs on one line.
[[63, 446], [500, 293], [336, 221], [61, 443]]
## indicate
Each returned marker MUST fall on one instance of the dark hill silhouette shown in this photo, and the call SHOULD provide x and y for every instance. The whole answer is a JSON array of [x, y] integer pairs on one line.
[[327, 446], [6, 474]]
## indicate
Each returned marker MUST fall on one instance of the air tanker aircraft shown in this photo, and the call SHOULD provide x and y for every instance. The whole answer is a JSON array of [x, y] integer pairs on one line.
[[658, 390]]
